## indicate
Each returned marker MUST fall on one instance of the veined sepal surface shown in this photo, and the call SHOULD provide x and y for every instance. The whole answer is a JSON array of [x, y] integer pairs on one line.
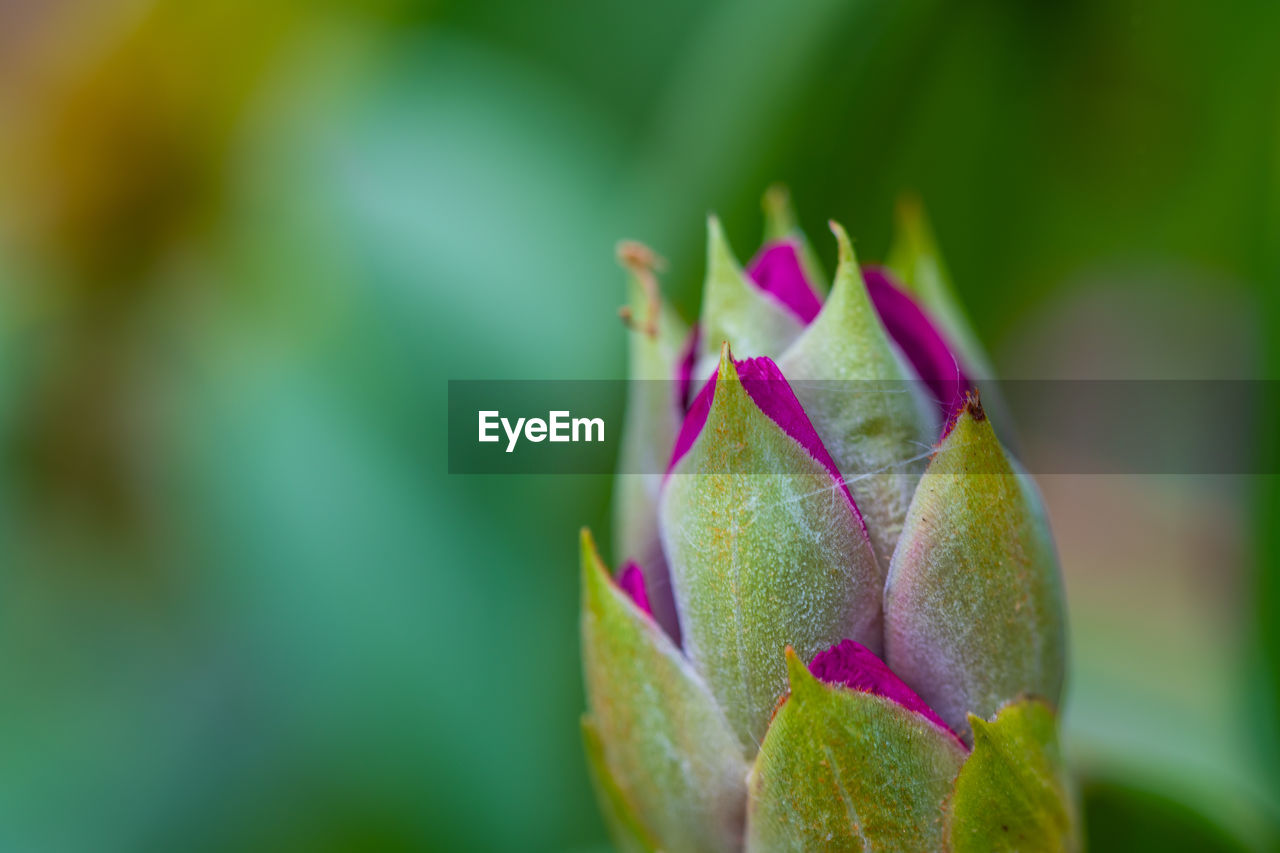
[[766, 550], [973, 603], [1013, 794], [858, 393], [841, 770], [670, 770]]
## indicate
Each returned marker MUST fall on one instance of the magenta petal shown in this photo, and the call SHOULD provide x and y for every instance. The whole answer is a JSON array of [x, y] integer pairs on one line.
[[684, 368], [770, 391], [919, 339], [777, 270], [631, 581], [661, 608], [853, 665], [772, 394], [694, 420]]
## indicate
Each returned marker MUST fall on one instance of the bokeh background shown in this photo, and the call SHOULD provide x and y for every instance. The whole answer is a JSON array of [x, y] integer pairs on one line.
[[243, 245]]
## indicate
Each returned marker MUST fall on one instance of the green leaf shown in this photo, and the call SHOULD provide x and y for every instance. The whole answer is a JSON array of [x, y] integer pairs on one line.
[[1013, 793], [856, 390], [765, 551], [973, 604], [735, 310], [653, 415], [846, 770], [1126, 810], [670, 756]]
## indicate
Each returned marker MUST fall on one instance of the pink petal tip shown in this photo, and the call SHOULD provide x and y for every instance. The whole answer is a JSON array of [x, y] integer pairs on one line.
[[631, 581], [853, 665], [920, 340], [777, 270]]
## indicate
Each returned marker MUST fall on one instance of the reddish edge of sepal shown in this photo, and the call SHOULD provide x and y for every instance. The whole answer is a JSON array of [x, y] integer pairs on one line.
[[852, 665], [772, 395]]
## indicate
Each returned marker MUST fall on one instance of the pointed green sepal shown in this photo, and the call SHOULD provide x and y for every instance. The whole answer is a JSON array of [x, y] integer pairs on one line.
[[859, 395], [766, 550], [845, 770], [780, 223], [779, 214], [973, 604], [1013, 793], [628, 834], [734, 309], [916, 260], [657, 340], [670, 756]]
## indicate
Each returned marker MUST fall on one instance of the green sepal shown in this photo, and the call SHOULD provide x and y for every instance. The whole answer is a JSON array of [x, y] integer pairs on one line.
[[780, 223], [1013, 793], [915, 259], [628, 834], [670, 755], [973, 603], [857, 392], [734, 309], [845, 770], [656, 344], [765, 552]]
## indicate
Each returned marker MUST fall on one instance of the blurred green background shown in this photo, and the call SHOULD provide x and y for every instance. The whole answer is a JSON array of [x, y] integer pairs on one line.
[[243, 245]]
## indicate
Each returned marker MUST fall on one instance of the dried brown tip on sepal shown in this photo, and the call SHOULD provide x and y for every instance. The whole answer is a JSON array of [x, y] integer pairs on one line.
[[973, 405], [628, 319], [639, 258], [642, 262]]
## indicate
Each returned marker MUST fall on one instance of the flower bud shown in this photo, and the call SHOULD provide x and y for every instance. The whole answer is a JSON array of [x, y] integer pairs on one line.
[[973, 602], [862, 404], [804, 525], [847, 769], [654, 411], [765, 543], [665, 761], [736, 309]]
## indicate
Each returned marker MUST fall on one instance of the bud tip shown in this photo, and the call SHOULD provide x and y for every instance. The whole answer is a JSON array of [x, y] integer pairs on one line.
[[728, 371], [843, 244], [973, 405]]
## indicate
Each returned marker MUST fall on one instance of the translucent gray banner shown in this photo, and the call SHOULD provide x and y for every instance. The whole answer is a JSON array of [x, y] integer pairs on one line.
[[1052, 426]]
